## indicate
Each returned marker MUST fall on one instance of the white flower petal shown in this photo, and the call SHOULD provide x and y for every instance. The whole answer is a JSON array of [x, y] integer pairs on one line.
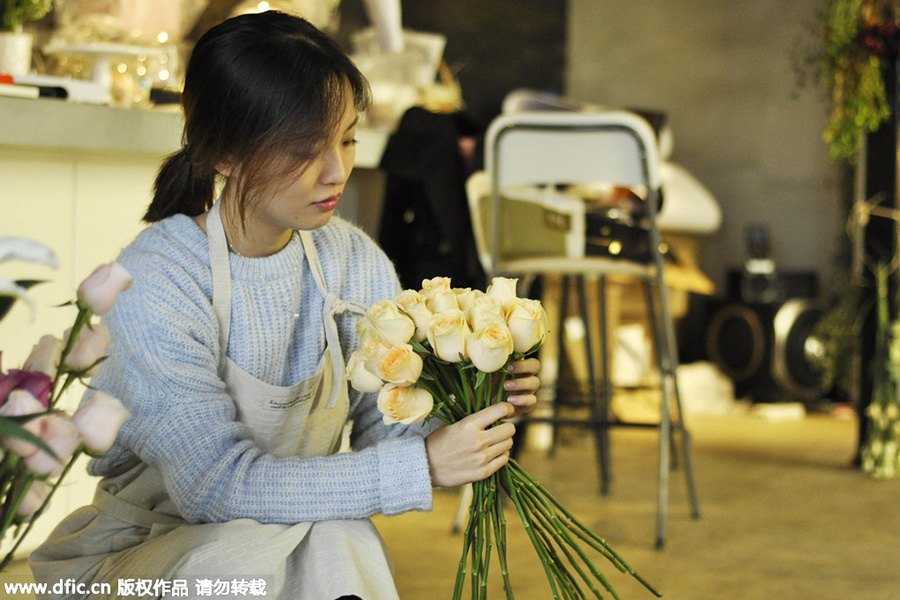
[[17, 248]]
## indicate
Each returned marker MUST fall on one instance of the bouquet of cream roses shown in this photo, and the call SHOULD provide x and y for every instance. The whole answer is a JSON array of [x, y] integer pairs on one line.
[[441, 352], [40, 442]]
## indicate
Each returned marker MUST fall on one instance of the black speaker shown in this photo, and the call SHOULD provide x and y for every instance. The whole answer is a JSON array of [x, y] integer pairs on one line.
[[764, 348]]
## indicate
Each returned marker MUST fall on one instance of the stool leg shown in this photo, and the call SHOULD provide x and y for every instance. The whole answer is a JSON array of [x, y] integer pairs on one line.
[[668, 329], [661, 349], [561, 345], [597, 423], [605, 392]]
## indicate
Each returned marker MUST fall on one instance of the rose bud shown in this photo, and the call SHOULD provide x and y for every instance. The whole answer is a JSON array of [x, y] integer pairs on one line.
[[392, 325], [527, 322], [90, 346], [98, 421], [484, 309], [490, 345], [466, 297], [413, 304], [61, 436], [18, 404], [397, 364], [360, 377], [447, 332], [503, 289], [44, 357], [404, 404], [101, 288], [434, 285]]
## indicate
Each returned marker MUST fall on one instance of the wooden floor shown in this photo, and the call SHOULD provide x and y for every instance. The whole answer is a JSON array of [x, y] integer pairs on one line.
[[783, 517]]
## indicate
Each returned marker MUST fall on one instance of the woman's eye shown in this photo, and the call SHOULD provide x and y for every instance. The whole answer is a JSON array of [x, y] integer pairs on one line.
[[352, 142]]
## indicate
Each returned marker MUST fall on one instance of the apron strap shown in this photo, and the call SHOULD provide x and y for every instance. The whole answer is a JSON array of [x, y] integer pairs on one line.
[[221, 277], [333, 307]]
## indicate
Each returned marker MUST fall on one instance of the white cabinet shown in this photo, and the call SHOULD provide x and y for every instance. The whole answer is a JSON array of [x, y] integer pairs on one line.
[[63, 185]]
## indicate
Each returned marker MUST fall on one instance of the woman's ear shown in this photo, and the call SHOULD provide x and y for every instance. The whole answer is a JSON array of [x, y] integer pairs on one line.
[[226, 168]]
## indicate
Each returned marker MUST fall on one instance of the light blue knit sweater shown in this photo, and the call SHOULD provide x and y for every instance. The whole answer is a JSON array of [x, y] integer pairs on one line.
[[163, 367]]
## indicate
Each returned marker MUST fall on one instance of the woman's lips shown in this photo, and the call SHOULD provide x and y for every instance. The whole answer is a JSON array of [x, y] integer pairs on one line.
[[328, 203]]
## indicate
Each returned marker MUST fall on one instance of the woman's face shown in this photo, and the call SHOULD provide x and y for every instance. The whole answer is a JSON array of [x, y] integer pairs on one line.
[[307, 201]]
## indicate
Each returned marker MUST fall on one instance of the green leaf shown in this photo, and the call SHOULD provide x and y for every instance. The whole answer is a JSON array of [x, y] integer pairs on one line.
[[9, 426]]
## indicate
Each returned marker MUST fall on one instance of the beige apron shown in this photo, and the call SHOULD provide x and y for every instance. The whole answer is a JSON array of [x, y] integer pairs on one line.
[[132, 532]]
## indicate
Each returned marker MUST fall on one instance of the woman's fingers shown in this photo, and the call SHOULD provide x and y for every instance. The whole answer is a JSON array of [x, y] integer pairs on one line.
[[471, 449], [523, 385]]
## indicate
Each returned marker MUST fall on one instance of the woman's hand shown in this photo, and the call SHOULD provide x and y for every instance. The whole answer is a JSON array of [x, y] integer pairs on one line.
[[523, 384], [470, 449]]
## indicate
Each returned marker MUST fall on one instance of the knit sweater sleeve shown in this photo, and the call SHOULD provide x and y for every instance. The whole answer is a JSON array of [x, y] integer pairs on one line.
[[163, 366]]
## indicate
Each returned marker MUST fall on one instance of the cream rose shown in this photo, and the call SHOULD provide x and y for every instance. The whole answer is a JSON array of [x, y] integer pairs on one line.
[[399, 365], [404, 404], [361, 378], [466, 297], [503, 289], [98, 421], [44, 357], [101, 288], [490, 345], [414, 304], [391, 324], [527, 322], [90, 345], [442, 300], [434, 285], [484, 309], [447, 333]]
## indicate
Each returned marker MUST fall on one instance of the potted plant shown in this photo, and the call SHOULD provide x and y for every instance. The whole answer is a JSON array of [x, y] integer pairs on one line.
[[15, 43]]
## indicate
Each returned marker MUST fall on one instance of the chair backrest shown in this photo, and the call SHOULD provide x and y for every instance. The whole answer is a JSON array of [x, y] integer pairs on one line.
[[566, 148]]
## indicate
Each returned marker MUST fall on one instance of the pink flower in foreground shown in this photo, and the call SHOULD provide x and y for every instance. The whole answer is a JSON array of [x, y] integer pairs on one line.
[[18, 404], [44, 357], [98, 421], [34, 498], [89, 347], [101, 288], [63, 438]]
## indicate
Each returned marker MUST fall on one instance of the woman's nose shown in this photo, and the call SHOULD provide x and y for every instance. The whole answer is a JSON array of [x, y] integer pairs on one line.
[[335, 170]]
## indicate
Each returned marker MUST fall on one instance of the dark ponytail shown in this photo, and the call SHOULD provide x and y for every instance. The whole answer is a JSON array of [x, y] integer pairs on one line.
[[179, 189], [262, 93]]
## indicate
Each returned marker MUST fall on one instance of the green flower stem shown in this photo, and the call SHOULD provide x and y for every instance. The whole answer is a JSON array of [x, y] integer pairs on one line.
[[467, 389], [485, 530], [9, 556], [499, 521], [81, 319], [551, 524], [567, 584], [546, 560], [575, 525], [597, 542], [467, 542]]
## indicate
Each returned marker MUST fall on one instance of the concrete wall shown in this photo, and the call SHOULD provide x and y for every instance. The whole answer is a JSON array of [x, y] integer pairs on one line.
[[723, 72]]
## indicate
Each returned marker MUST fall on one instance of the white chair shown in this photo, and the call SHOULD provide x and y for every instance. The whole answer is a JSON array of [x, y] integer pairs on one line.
[[538, 161]]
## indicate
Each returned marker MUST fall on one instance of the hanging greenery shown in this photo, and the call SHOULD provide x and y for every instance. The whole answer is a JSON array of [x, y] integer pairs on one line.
[[857, 37]]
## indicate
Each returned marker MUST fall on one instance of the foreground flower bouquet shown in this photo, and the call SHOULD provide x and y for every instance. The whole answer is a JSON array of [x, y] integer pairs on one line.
[[39, 442], [441, 352]]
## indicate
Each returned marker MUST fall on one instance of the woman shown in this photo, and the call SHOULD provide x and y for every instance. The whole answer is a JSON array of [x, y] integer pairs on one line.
[[229, 352]]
